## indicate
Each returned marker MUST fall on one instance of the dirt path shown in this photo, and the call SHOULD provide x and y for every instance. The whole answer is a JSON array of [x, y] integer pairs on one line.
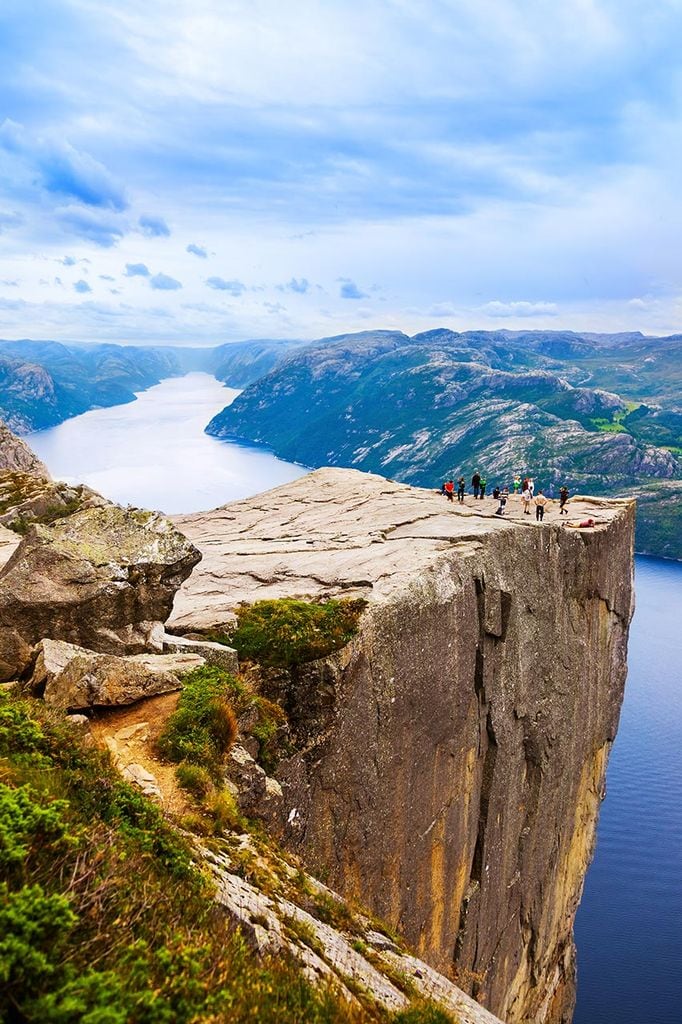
[[129, 734]]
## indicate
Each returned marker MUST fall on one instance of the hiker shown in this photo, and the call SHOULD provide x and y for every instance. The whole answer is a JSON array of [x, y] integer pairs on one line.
[[476, 483], [496, 493], [517, 484], [442, 488], [499, 511], [583, 525], [450, 490], [540, 503], [461, 487], [526, 498], [483, 483], [563, 498], [531, 486]]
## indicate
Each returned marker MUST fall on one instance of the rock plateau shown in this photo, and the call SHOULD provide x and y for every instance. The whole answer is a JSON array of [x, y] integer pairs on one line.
[[450, 760]]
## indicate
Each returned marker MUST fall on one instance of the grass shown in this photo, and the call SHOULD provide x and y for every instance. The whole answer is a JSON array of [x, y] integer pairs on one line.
[[287, 632], [203, 727], [88, 933]]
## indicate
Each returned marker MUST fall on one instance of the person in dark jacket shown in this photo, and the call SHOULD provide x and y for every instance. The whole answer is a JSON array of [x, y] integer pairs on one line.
[[476, 483], [461, 487]]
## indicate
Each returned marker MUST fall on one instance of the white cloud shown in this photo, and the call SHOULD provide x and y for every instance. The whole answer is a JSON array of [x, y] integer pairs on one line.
[[519, 309]]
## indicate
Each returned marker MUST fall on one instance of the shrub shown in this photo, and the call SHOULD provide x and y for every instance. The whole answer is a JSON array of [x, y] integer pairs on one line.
[[427, 1013], [194, 778], [224, 811], [203, 726], [105, 920], [287, 632]]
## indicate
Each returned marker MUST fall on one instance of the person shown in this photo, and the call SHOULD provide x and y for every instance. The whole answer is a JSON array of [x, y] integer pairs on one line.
[[499, 511], [450, 490], [526, 500], [442, 487], [531, 486], [583, 525], [540, 503], [483, 484], [517, 484], [461, 487], [476, 483], [563, 498], [496, 493]]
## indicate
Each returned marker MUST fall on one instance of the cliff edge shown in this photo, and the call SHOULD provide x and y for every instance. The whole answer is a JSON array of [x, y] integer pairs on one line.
[[450, 761]]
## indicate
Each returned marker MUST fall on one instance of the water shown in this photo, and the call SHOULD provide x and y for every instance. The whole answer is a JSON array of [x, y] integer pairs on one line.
[[153, 452], [629, 925]]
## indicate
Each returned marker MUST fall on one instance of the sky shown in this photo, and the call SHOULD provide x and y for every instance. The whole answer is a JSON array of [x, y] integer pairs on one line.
[[206, 172]]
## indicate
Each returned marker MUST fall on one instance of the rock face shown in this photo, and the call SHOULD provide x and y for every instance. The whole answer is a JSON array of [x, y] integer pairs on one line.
[[15, 454], [72, 678], [450, 759], [102, 578]]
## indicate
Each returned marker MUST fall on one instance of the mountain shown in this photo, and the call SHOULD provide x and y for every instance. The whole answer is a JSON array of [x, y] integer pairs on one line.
[[601, 414], [45, 382]]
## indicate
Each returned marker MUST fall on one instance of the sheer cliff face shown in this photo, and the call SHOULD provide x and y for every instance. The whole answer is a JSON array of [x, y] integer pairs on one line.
[[452, 757]]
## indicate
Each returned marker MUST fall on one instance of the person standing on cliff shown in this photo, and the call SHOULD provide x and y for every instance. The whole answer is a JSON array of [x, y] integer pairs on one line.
[[540, 503], [483, 487], [517, 484], [526, 499], [450, 490], [461, 487], [563, 498], [476, 483]]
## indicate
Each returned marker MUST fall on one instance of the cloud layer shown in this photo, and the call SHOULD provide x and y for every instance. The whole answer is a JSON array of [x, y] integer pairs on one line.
[[394, 164]]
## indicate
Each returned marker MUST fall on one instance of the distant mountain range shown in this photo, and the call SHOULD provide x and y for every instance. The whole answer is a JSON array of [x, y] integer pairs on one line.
[[43, 383], [599, 412]]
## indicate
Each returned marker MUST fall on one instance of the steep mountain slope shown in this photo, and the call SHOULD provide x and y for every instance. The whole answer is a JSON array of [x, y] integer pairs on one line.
[[440, 404]]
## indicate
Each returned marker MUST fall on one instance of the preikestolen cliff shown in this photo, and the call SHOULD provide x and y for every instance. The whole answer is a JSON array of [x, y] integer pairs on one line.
[[360, 732]]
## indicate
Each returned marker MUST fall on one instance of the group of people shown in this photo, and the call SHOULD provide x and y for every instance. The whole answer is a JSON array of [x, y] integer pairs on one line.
[[525, 486]]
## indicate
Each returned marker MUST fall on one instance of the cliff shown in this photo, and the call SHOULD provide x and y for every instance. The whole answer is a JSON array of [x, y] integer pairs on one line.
[[449, 762]]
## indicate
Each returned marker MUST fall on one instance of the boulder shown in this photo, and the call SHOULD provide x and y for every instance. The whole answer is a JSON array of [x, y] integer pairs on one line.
[[16, 454], [102, 578], [70, 677], [216, 654]]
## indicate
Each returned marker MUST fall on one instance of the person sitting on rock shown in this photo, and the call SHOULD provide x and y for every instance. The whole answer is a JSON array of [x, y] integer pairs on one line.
[[499, 511]]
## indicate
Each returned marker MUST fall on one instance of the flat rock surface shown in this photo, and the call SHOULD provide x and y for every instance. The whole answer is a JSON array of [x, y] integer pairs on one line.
[[339, 531]]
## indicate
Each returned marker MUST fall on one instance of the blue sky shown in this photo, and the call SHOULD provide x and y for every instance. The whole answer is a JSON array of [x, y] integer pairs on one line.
[[200, 173]]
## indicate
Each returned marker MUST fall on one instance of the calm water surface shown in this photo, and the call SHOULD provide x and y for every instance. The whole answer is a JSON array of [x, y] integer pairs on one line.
[[154, 453], [629, 926]]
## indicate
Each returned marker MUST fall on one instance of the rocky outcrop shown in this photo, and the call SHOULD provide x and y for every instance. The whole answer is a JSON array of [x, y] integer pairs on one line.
[[26, 499], [15, 454], [102, 578], [334, 944], [72, 678], [450, 759]]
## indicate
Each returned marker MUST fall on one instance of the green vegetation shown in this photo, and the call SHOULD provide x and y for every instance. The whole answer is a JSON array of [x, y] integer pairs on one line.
[[427, 1013], [287, 632], [194, 778], [88, 934], [202, 728], [104, 919]]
